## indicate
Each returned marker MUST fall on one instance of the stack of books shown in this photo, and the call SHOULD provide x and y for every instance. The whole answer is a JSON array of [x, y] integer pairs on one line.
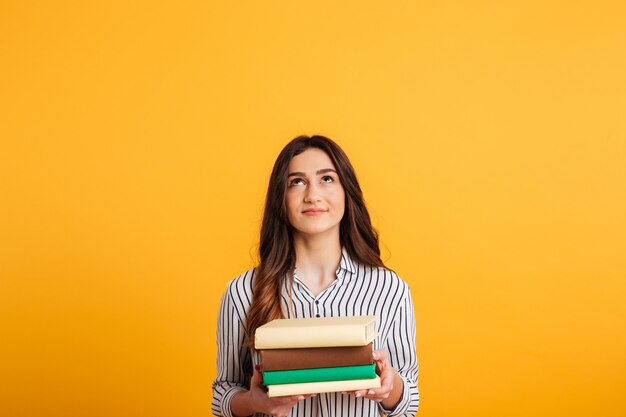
[[308, 356]]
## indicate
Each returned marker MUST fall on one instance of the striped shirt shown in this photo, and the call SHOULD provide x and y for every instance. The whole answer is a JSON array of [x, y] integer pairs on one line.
[[357, 291]]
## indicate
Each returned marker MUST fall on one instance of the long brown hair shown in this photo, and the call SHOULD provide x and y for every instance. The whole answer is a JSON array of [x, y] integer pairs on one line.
[[277, 255]]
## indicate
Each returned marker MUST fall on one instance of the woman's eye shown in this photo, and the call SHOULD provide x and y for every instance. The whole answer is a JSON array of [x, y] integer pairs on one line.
[[328, 179], [296, 181]]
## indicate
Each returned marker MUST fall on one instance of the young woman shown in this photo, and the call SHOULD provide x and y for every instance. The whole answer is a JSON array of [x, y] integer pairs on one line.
[[319, 257]]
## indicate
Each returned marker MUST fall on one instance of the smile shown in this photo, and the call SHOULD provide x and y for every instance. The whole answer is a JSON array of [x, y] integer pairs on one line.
[[315, 212]]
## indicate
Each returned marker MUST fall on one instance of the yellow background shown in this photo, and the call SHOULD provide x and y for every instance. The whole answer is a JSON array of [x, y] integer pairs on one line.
[[136, 143]]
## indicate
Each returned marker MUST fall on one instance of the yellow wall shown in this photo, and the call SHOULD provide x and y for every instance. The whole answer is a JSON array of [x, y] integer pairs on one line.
[[136, 143]]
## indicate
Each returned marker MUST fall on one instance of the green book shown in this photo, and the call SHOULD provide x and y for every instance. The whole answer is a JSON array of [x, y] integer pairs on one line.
[[335, 373]]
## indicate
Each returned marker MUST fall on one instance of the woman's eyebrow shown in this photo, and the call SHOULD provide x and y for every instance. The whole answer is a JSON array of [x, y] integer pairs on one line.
[[302, 174]]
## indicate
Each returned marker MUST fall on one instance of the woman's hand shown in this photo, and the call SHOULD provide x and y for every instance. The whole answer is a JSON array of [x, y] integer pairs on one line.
[[391, 384], [259, 402]]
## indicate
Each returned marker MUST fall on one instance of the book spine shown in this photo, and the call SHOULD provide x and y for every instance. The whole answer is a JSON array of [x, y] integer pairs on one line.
[[319, 387], [319, 374]]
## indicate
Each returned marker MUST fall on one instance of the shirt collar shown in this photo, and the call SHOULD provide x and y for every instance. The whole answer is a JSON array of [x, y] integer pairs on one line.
[[346, 264]]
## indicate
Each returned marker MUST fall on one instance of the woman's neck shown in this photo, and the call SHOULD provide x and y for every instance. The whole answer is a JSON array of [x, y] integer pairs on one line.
[[317, 260]]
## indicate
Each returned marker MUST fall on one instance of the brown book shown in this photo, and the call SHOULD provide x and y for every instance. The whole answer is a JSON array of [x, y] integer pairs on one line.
[[321, 357]]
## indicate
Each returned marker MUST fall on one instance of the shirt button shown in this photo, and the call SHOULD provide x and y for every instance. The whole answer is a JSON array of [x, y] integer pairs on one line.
[[317, 315], [317, 302]]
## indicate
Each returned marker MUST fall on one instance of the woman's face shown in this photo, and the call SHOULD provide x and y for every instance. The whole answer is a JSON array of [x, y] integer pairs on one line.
[[315, 197]]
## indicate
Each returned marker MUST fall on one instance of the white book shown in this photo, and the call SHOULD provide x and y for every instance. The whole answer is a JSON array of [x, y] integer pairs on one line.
[[316, 332], [319, 387]]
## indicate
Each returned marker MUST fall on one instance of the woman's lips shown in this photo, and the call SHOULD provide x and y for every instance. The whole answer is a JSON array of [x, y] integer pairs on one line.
[[313, 212]]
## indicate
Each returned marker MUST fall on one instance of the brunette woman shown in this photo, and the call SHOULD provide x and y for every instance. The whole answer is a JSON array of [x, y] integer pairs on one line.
[[319, 257]]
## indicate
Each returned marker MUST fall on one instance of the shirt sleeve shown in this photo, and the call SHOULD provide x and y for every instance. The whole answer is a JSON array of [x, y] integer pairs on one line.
[[401, 349], [233, 358]]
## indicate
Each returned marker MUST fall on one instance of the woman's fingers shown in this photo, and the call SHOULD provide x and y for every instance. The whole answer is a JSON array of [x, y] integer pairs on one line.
[[379, 355], [386, 373], [257, 379]]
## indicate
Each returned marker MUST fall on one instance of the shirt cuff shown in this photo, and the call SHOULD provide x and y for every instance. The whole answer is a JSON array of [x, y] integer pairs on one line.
[[402, 405], [227, 399]]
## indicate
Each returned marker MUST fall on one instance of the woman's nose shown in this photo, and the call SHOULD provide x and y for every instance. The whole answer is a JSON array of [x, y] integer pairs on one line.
[[312, 194]]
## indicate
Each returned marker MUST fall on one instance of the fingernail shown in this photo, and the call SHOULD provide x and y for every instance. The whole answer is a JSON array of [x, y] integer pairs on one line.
[[358, 394], [370, 392], [375, 355], [300, 397], [343, 392]]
